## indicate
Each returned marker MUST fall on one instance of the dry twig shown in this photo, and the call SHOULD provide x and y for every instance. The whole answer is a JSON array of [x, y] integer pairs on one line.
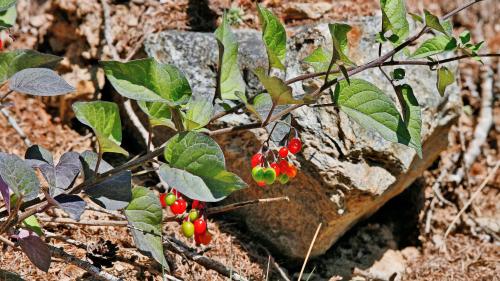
[[309, 252]]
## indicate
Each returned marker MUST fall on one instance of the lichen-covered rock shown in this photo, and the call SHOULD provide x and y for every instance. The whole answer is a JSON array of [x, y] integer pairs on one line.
[[347, 173]]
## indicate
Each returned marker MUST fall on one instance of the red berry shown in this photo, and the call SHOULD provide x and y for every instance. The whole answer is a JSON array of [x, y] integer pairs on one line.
[[283, 152], [261, 183], [197, 239], [295, 145], [205, 238], [196, 204], [162, 200], [179, 206], [283, 166], [200, 226], [1, 44], [276, 168], [257, 159]]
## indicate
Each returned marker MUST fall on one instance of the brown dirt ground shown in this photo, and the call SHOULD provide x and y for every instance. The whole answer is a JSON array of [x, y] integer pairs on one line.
[[72, 29]]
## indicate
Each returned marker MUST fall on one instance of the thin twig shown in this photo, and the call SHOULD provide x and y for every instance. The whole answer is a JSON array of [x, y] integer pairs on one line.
[[490, 176], [176, 246], [12, 121], [108, 31], [230, 207], [86, 222], [309, 251]]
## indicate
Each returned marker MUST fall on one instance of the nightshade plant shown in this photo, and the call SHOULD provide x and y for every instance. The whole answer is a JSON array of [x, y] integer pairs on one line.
[[192, 162]]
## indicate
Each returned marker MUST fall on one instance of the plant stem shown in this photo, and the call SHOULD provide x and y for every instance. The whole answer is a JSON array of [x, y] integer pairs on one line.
[[99, 158], [6, 95]]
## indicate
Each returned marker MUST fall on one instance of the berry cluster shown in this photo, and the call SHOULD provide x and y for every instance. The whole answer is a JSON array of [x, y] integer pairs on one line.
[[193, 223], [280, 169]]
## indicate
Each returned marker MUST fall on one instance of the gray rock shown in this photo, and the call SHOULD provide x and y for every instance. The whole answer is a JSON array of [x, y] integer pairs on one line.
[[346, 172]]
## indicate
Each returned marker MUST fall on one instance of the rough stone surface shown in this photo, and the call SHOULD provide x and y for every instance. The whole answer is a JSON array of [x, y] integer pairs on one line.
[[347, 173]]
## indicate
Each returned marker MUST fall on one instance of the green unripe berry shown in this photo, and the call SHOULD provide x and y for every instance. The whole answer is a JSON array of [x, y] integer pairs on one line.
[[283, 179], [170, 199], [188, 229], [258, 173], [193, 215], [269, 176]]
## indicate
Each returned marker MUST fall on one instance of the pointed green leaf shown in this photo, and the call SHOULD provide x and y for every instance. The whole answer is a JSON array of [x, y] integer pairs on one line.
[[394, 20], [196, 158], [6, 4], [465, 37], [248, 105], [199, 113], [231, 80], [32, 224], [8, 17], [274, 37], [435, 45], [372, 110], [15, 61], [104, 119], [279, 91], [144, 213], [319, 59], [413, 118], [448, 27], [417, 18], [433, 22], [148, 80], [159, 113], [19, 176], [339, 32], [444, 78]]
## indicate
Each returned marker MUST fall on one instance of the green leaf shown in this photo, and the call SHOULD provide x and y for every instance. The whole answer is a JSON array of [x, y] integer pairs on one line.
[[274, 37], [196, 158], [448, 27], [413, 118], [279, 91], [372, 110], [231, 80], [339, 32], [19, 176], [14, 61], [144, 213], [465, 37], [435, 45], [248, 105], [32, 224], [433, 22], [8, 17], [444, 78], [6, 4], [417, 18], [104, 119], [319, 59], [394, 19], [159, 113], [148, 80], [199, 113]]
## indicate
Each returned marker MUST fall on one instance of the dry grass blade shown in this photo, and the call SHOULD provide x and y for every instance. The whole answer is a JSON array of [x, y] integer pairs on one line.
[[490, 176], [309, 251]]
